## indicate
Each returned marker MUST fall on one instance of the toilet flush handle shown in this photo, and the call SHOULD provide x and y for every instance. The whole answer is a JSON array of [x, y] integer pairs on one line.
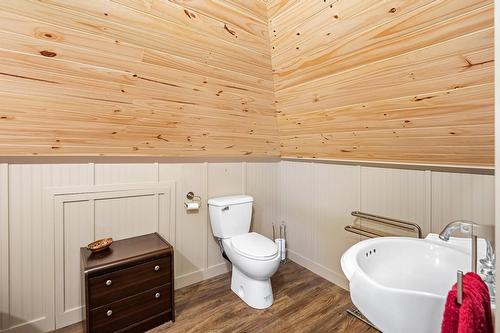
[[225, 208]]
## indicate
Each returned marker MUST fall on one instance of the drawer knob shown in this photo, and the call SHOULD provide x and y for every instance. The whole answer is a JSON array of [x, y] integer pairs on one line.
[[109, 313], [157, 295], [157, 268], [109, 282]]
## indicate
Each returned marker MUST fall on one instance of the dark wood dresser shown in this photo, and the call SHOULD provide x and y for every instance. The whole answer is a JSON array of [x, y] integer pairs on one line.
[[129, 287]]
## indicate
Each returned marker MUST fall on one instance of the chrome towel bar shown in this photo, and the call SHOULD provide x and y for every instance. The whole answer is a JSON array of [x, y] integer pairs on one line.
[[460, 286], [363, 232], [404, 225]]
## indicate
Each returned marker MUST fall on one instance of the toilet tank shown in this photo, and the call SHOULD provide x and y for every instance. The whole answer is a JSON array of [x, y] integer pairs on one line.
[[230, 215]]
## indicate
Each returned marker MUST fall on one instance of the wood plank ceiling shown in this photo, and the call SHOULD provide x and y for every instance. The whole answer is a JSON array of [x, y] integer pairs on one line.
[[127, 77], [407, 81], [395, 81]]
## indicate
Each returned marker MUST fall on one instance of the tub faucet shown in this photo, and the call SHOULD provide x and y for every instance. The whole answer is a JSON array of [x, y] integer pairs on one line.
[[487, 232]]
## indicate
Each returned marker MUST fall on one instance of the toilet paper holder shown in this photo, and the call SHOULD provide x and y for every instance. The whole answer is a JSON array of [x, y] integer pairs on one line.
[[190, 196], [194, 202], [281, 240]]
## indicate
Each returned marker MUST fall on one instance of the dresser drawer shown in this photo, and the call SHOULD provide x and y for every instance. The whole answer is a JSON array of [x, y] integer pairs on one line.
[[145, 325], [120, 314], [110, 287]]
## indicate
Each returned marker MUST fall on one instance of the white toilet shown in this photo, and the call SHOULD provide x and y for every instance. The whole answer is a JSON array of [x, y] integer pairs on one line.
[[255, 258]]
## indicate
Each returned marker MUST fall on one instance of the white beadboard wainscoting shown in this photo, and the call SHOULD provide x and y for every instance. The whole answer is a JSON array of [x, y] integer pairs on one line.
[[316, 200], [47, 211]]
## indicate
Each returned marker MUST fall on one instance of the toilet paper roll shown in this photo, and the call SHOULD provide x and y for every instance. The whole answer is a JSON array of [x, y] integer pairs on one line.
[[192, 205], [280, 242]]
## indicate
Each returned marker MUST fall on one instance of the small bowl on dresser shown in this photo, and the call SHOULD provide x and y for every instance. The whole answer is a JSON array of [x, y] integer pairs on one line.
[[100, 245]]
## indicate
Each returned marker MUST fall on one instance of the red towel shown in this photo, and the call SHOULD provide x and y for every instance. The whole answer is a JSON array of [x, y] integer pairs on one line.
[[474, 315]]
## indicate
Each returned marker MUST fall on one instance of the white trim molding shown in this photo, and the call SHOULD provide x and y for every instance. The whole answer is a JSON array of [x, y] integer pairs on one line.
[[163, 213], [4, 246]]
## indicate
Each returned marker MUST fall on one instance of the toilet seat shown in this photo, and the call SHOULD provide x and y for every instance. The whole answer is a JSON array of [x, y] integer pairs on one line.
[[254, 246]]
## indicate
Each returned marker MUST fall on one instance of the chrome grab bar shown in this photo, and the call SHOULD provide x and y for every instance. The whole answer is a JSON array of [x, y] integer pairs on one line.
[[363, 232], [405, 225]]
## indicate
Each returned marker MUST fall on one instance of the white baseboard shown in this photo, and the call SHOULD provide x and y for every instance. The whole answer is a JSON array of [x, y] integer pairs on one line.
[[34, 326], [326, 273], [202, 274]]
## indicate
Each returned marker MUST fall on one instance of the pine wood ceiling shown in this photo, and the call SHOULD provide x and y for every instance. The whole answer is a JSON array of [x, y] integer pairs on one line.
[[127, 77], [394, 81], [407, 81]]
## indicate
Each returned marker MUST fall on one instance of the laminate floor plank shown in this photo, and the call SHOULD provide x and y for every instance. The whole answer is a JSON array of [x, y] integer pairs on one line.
[[304, 302]]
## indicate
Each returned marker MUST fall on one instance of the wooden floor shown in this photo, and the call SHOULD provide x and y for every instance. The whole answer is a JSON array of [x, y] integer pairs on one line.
[[303, 302]]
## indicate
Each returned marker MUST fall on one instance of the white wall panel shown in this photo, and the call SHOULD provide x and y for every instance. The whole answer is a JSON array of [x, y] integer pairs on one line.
[[26, 272], [123, 173], [126, 217], [191, 226], [314, 200], [336, 196], [82, 214], [262, 184], [396, 193], [4, 245], [31, 252], [78, 232], [223, 179], [462, 196], [297, 193]]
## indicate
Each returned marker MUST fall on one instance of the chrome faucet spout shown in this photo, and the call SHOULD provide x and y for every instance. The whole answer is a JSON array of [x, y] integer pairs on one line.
[[474, 230], [452, 227]]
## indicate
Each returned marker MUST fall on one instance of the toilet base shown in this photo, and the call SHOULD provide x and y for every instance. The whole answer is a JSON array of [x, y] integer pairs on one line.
[[256, 293]]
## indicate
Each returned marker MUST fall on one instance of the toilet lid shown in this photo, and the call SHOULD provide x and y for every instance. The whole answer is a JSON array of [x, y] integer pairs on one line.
[[254, 245]]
